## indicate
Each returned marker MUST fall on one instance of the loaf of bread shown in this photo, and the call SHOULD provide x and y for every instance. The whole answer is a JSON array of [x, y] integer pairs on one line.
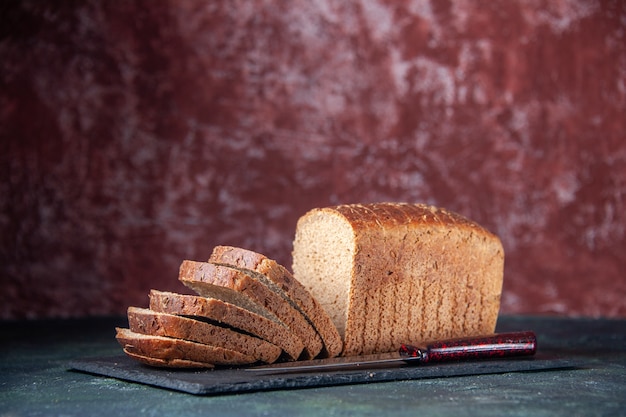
[[365, 279], [392, 273], [277, 278]]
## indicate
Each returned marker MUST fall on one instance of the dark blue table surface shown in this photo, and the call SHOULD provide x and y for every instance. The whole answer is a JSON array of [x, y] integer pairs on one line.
[[35, 379]]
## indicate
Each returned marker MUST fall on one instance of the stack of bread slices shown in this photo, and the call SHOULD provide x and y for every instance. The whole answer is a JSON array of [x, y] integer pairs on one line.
[[248, 309]]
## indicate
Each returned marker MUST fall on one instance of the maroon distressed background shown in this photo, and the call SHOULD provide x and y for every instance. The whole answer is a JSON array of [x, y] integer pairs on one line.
[[138, 134]]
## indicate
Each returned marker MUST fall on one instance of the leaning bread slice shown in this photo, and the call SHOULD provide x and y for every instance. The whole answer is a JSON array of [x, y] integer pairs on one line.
[[256, 323], [169, 349], [281, 281], [145, 321], [219, 281]]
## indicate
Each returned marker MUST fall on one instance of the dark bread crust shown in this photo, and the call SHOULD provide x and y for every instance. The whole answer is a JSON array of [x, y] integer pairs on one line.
[[386, 215]]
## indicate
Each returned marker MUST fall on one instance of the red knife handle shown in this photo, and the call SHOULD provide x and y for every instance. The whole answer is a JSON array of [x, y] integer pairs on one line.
[[482, 347]]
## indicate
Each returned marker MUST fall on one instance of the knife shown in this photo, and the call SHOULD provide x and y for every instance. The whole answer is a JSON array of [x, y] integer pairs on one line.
[[495, 346]]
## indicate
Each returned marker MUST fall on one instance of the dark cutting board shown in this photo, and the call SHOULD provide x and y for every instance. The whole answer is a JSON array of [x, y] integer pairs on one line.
[[229, 381]]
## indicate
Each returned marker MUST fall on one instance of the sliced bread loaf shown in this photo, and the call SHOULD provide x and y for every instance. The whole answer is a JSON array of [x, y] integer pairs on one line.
[[246, 318], [153, 323], [391, 273], [278, 279], [243, 285], [168, 349]]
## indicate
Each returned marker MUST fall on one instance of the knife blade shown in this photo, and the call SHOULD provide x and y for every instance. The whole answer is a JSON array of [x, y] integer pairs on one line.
[[499, 345]]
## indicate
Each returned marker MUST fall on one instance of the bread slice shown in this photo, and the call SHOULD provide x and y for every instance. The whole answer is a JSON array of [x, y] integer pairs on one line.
[[168, 363], [277, 278], [168, 349], [252, 321], [391, 273], [145, 321], [227, 282]]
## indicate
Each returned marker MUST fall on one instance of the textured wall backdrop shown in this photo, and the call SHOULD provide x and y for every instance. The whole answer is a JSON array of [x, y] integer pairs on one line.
[[136, 134]]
